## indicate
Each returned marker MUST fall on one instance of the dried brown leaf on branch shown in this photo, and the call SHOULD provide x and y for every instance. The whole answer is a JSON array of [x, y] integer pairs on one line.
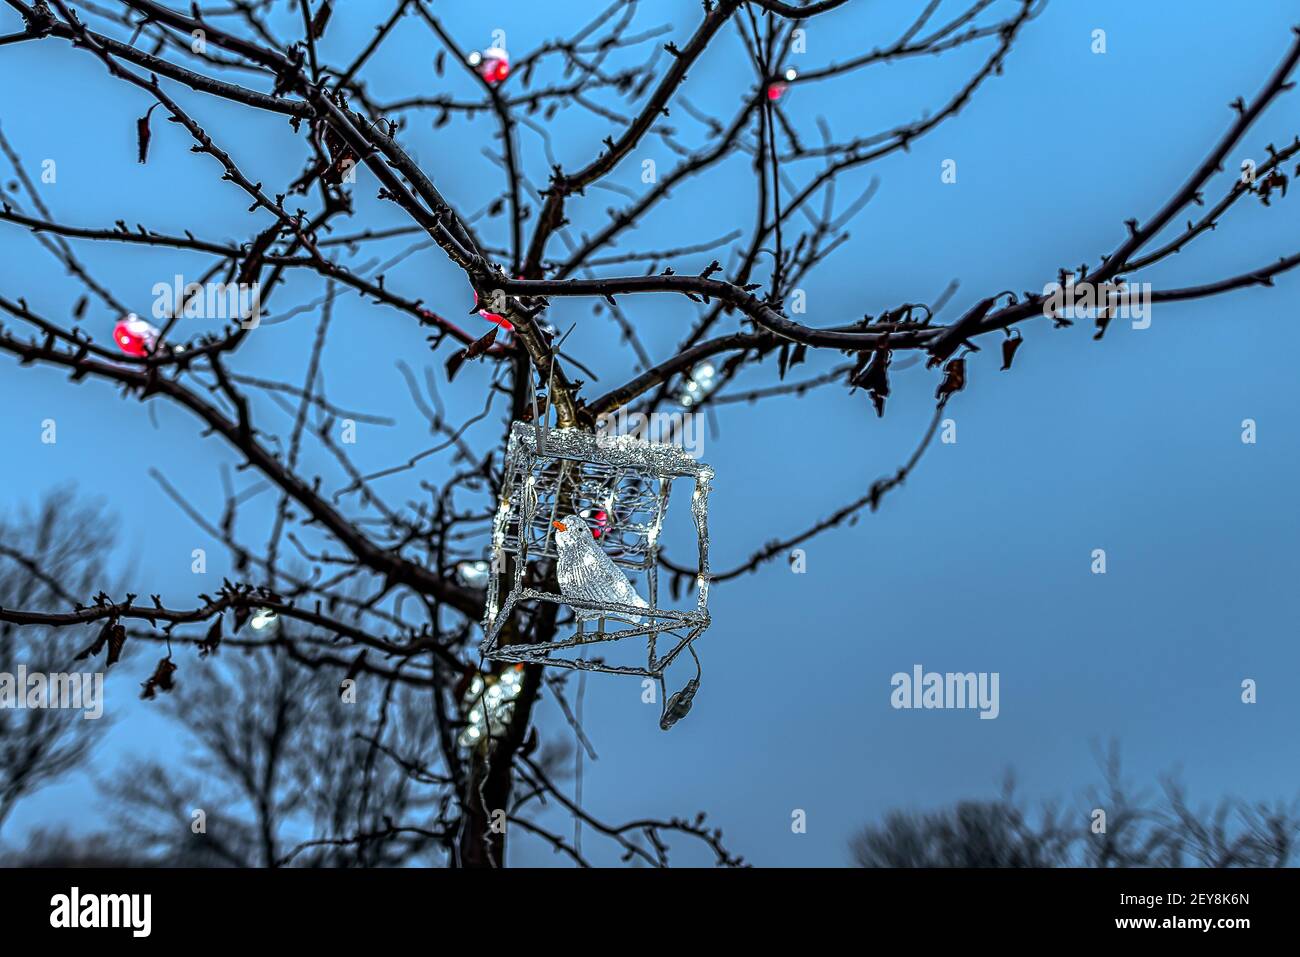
[[1009, 347], [143, 135], [160, 680], [212, 640], [112, 635], [475, 349], [954, 379]]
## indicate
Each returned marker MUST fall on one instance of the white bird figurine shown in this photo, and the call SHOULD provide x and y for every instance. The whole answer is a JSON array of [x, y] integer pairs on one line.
[[585, 572]]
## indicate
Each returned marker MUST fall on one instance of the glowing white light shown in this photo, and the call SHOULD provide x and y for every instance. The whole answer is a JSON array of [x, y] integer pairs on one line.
[[475, 58], [474, 574], [791, 74], [702, 380], [489, 704], [264, 619]]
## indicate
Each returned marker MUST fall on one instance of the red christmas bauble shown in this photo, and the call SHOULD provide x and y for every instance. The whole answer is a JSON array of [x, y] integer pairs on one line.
[[501, 321], [598, 517], [495, 65], [134, 336]]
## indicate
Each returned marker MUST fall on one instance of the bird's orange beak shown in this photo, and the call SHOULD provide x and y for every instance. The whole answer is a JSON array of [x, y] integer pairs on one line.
[[561, 526]]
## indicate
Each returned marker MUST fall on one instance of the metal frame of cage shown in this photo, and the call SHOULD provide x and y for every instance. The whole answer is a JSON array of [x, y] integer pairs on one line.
[[541, 466]]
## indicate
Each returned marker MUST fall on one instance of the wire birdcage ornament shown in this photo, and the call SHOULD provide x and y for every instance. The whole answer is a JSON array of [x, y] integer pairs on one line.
[[620, 486]]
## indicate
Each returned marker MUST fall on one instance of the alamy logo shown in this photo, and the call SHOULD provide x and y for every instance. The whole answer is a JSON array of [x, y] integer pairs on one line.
[[685, 430], [952, 689], [133, 911], [212, 300], [38, 690], [1084, 300]]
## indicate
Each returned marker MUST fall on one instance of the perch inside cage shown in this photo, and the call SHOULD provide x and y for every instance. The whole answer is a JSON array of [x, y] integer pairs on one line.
[[595, 505]]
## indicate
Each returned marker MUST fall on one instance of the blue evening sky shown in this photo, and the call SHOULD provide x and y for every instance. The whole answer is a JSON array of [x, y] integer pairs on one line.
[[980, 562]]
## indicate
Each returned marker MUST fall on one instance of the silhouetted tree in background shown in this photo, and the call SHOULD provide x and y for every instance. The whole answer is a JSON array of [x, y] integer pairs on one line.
[[276, 751], [1140, 830], [64, 546]]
